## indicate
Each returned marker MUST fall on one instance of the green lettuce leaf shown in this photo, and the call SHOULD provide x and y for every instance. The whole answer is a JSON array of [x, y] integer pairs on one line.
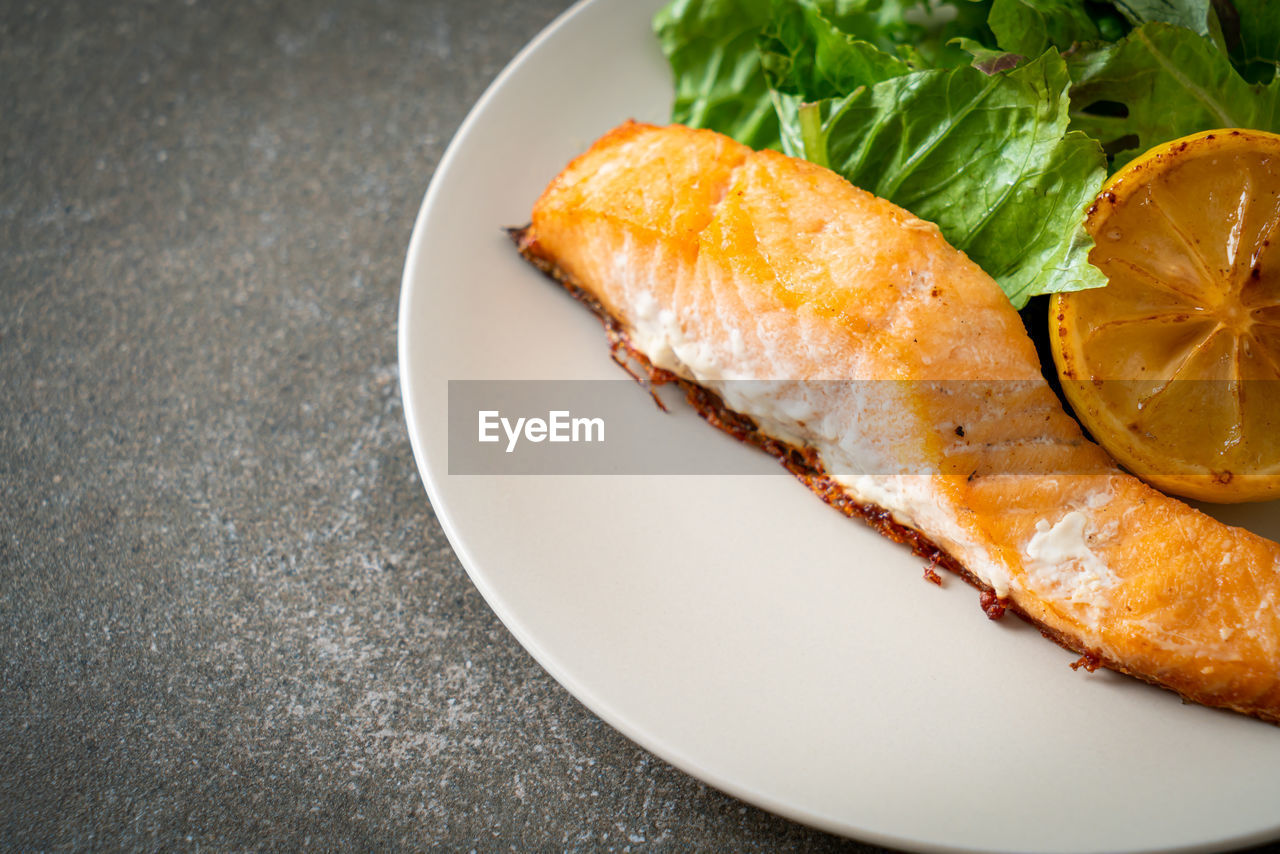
[[920, 32], [711, 47], [805, 54], [1195, 15], [1159, 83], [719, 84], [986, 157], [1030, 27], [1256, 30]]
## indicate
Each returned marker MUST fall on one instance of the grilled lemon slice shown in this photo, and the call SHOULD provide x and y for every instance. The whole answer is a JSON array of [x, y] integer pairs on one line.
[[1174, 366]]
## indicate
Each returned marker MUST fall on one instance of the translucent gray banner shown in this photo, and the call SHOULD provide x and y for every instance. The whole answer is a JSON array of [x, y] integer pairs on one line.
[[877, 427]]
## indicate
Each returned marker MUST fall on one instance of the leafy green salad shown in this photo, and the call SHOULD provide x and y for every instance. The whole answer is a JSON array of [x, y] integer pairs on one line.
[[998, 120]]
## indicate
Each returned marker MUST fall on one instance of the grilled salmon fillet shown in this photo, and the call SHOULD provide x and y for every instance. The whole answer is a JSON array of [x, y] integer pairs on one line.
[[892, 375]]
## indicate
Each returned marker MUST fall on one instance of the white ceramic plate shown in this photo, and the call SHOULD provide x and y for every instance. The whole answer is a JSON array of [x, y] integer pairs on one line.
[[734, 625]]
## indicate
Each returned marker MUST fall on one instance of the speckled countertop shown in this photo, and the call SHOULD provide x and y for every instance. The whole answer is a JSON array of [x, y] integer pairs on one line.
[[230, 618]]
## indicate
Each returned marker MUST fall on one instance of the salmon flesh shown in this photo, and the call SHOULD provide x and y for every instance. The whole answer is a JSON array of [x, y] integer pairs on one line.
[[891, 374]]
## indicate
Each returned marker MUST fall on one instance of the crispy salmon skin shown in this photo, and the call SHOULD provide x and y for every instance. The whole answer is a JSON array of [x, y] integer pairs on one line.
[[893, 376]]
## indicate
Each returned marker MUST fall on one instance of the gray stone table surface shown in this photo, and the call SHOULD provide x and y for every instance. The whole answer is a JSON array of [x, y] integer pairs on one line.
[[230, 618]]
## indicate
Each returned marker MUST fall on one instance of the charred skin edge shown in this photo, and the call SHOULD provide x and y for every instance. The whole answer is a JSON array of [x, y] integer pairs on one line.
[[805, 465]]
